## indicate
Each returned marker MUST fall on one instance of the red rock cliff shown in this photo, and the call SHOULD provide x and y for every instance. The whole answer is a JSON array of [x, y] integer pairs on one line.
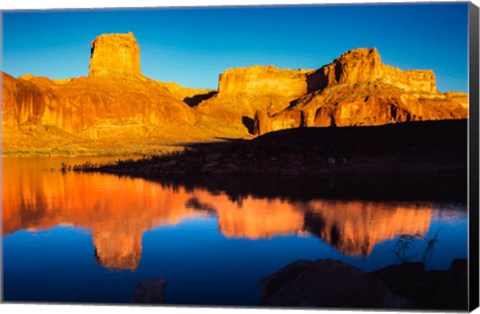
[[260, 80], [357, 89], [116, 102], [363, 65], [243, 91]]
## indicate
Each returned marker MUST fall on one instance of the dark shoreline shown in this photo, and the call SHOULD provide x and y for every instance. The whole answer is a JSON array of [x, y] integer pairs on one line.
[[406, 161]]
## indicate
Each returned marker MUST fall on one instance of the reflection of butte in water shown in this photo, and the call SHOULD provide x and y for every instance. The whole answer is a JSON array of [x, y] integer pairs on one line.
[[119, 211]]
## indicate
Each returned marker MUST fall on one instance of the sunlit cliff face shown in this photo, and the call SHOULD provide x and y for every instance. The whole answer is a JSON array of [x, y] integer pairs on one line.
[[119, 210], [117, 102]]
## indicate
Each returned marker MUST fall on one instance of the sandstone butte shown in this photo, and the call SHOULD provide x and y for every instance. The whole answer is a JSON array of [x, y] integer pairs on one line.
[[116, 109]]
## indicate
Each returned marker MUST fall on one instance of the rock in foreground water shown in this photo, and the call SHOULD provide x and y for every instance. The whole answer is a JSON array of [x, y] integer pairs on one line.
[[326, 283]]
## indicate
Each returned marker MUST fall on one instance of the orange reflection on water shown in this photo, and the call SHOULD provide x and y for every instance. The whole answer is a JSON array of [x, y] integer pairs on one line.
[[355, 227], [251, 217], [119, 210]]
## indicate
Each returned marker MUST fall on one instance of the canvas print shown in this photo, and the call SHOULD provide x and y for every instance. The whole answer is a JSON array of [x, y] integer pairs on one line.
[[303, 156]]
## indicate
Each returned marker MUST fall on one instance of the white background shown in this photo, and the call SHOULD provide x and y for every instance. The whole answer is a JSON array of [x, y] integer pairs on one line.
[[81, 309]]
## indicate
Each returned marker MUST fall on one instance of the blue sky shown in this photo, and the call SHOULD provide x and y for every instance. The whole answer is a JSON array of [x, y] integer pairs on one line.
[[193, 46]]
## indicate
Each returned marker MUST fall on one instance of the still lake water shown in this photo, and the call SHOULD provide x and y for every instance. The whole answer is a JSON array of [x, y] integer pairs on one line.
[[76, 237]]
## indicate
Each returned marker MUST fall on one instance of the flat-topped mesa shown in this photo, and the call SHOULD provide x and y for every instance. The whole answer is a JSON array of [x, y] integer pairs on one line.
[[114, 55], [263, 80], [363, 65], [357, 89]]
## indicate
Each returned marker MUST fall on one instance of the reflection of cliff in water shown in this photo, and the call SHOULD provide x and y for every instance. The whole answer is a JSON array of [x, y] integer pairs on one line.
[[355, 227], [119, 210]]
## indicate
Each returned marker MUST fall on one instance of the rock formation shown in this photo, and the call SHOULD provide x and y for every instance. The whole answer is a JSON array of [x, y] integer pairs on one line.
[[367, 104], [117, 103], [114, 104], [81, 103], [363, 65], [114, 55], [244, 91], [326, 283], [259, 81], [332, 283], [357, 89]]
